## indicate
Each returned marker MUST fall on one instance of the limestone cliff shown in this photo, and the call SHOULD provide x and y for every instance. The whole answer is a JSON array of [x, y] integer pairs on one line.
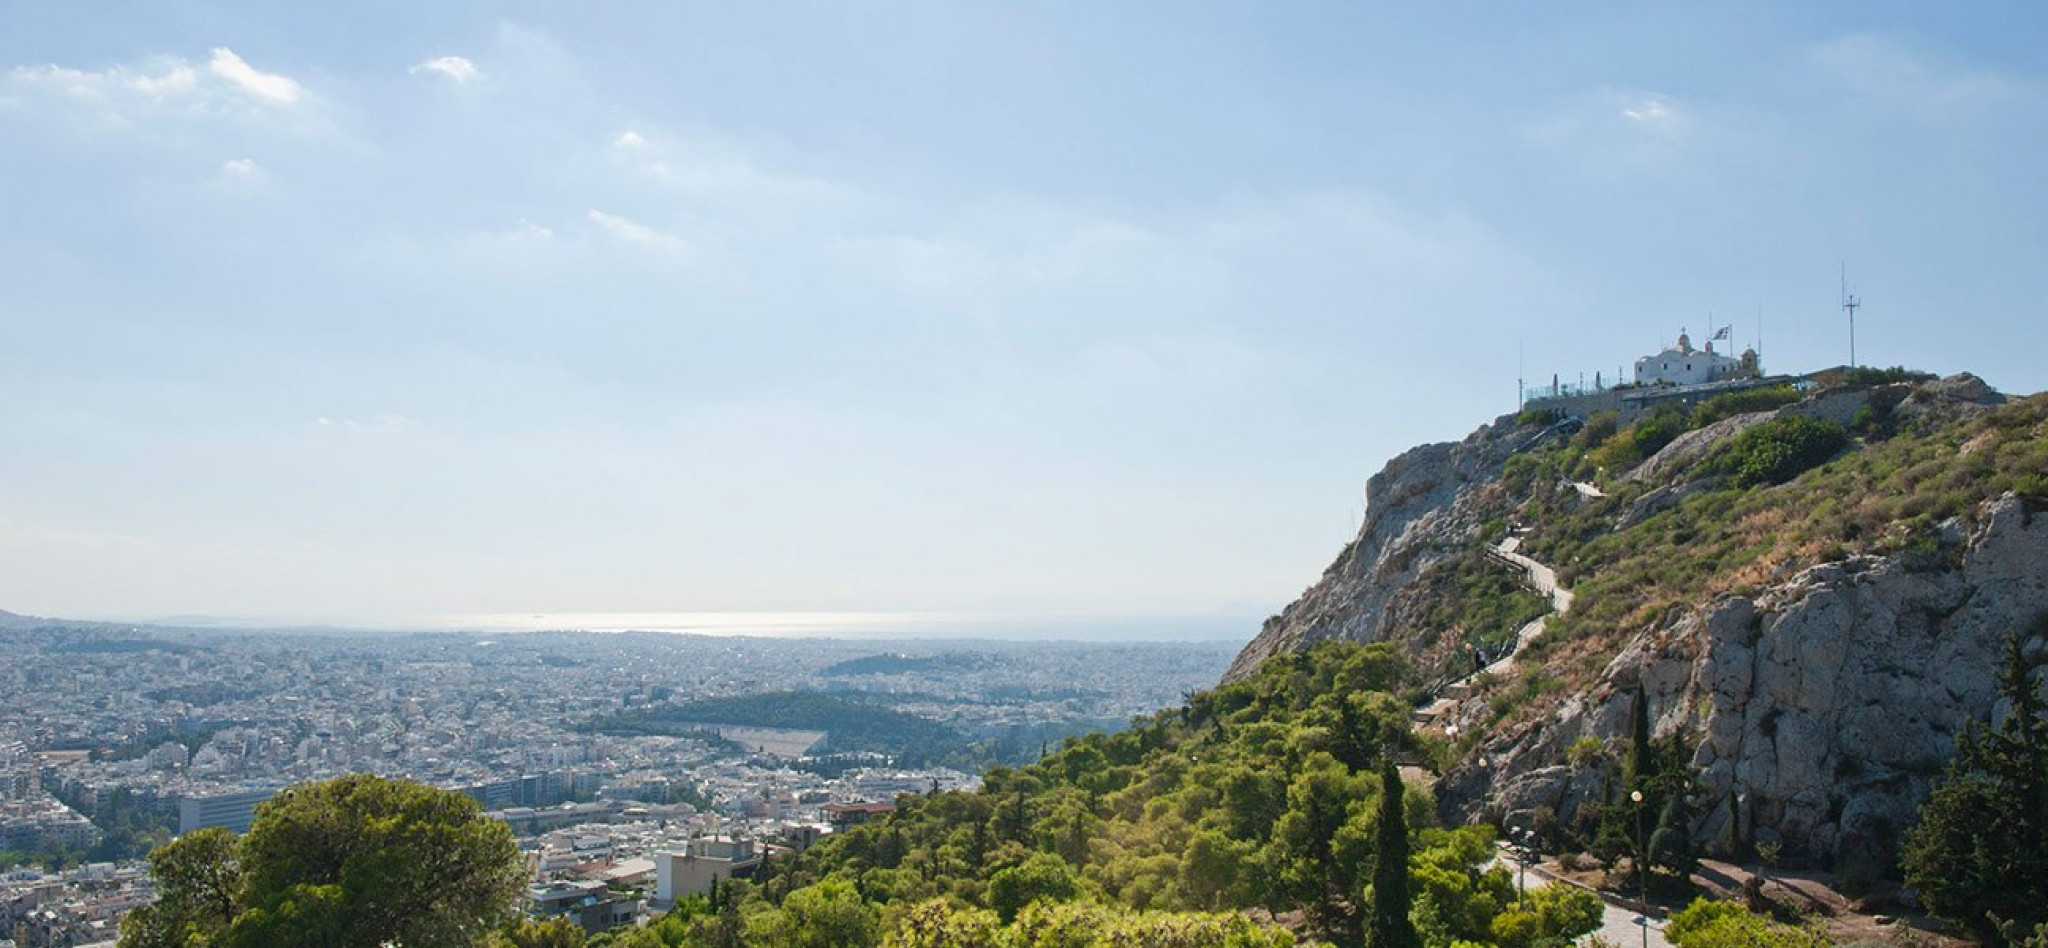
[[1817, 657], [1414, 518], [1828, 703]]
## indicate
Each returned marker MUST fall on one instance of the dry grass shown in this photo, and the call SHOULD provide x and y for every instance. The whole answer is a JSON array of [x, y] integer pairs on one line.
[[1882, 497]]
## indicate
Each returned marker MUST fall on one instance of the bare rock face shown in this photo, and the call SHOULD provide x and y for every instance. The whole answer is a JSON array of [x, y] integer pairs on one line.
[[1412, 521], [1826, 704], [1829, 704], [1959, 396]]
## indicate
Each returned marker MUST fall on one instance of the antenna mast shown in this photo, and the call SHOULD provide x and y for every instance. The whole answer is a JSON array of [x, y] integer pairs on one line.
[[1849, 303], [1519, 391]]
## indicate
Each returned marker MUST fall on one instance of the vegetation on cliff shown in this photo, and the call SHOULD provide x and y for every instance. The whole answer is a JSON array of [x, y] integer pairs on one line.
[[1979, 856], [1809, 581], [1780, 496], [1466, 610], [1269, 799]]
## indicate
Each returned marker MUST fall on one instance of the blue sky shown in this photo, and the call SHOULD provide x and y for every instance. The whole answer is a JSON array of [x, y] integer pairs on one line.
[[367, 312]]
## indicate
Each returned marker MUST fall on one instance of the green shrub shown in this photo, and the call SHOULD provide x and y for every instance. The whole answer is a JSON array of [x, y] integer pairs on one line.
[[1043, 876], [1871, 375], [1878, 418], [1632, 445], [1731, 404], [1586, 751], [1778, 450], [2032, 488], [1711, 924], [1600, 426], [1522, 471], [1559, 913]]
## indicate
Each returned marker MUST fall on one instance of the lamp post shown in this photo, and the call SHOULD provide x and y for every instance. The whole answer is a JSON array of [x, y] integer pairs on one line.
[[1525, 846], [1642, 865]]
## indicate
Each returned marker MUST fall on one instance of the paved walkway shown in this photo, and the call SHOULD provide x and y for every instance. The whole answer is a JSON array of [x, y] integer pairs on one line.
[[1539, 577], [1620, 924], [1523, 636]]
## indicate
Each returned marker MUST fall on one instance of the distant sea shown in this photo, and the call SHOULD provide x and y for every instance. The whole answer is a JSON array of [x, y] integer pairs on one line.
[[872, 625]]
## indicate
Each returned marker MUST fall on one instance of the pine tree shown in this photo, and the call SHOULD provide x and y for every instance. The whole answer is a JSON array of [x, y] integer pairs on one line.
[[1979, 857], [357, 860], [1391, 899]]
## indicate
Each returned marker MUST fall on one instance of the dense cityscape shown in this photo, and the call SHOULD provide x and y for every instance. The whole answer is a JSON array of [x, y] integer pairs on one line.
[[601, 751]]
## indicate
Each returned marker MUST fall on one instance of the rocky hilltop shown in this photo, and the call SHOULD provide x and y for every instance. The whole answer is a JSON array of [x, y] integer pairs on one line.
[[1414, 520], [1811, 588]]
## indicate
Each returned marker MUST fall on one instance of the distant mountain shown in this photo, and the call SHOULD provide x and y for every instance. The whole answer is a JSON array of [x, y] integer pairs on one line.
[[14, 620]]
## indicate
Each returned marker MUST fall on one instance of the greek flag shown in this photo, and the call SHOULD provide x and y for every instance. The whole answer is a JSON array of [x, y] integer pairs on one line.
[[1723, 333]]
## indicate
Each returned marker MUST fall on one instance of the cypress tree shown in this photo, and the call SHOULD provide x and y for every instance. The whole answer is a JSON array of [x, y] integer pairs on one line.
[[1641, 763], [1671, 844], [1391, 898], [1731, 842]]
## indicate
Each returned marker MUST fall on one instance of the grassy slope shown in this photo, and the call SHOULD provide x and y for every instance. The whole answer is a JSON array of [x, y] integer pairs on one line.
[[1886, 493]]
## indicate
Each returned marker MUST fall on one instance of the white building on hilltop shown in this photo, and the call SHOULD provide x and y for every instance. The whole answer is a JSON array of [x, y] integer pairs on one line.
[[1681, 364]]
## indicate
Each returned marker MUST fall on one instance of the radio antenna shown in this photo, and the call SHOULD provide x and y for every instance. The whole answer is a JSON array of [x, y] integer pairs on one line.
[[1849, 304]]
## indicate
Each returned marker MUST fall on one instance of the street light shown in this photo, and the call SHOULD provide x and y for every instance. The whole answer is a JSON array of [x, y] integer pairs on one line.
[[1642, 865], [1525, 841]]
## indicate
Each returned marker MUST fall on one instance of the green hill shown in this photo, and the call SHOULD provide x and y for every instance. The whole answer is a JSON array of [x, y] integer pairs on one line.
[[851, 725]]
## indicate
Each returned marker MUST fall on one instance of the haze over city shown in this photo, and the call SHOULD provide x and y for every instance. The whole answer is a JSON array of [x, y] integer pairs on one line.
[[383, 315]]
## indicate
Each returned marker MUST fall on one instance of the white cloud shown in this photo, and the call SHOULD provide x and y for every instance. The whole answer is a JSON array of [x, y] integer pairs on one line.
[[1652, 110], [268, 86], [386, 424], [1881, 71], [708, 169], [240, 174], [176, 80], [180, 80], [528, 230], [123, 94], [634, 232], [1615, 130], [458, 68]]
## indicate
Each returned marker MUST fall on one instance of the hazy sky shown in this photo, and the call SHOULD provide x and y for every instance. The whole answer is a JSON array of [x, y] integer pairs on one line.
[[372, 311]]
